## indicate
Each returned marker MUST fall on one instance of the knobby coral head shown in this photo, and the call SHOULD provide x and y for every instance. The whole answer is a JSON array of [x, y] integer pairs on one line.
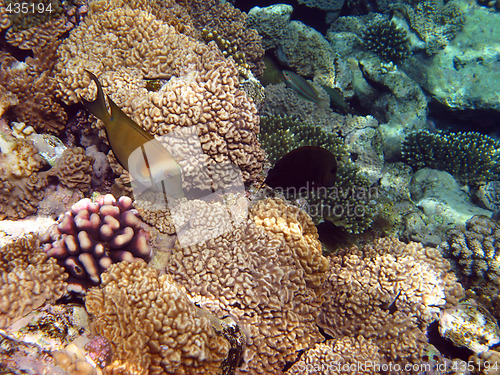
[[93, 235]]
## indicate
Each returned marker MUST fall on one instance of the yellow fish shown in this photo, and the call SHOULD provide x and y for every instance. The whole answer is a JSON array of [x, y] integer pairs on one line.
[[144, 157]]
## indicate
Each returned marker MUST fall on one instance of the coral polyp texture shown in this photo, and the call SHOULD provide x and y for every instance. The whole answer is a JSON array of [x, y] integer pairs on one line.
[[388, 292], [387, 40], [93, 235], [334, 356], [472, 158], [29, 278], [266, 273], [152, 325], [201, 89], [475, 250]]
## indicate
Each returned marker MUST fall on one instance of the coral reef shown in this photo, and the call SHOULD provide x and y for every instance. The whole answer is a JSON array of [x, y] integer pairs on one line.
[[22, 182], [152, 325], [387, 40], [29, 279], [442, 205], [281, 134], [94, 235], [301, 47], [333, 357], [255, 274], [328, 5], [33, 84], [472, 158], [388, 292], [229, 23], [471, 325], [452, 76], [73, 169], [475, 249], [435, 24], [202, 88]]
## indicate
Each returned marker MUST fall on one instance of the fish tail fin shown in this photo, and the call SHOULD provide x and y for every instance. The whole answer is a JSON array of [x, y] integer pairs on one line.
[[98, 106]]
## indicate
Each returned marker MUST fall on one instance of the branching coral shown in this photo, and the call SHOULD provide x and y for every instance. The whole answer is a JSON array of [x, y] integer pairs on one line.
[[338, 203], [202, 88], [153, 326], [28, 279], [93, 235], [387, 40], [388, 292], [472, 158], [259, 273]]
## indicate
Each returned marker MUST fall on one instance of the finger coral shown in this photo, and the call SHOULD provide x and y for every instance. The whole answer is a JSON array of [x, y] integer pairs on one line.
[[202, 86], [388, 292], [92, 236], [29, 278], [152, 325], [260, 273], [472, 158]]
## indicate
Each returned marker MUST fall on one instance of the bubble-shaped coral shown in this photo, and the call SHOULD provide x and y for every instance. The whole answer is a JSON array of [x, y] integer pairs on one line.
[[387, 40], [93, 235], [471, 157], [153, 326]]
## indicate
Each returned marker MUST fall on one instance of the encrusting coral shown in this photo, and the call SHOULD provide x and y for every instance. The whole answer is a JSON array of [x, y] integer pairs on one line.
[[152, 325], [434, 23], [93, 235], [472, 158], [267, 274], [29, 278], [202, 88], [388, 292]]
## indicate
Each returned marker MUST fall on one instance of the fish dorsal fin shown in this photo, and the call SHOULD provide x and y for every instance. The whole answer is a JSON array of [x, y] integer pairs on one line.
[[97, 106]]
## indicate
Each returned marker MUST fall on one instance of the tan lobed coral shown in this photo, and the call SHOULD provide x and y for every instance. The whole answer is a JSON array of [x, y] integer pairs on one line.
[[346, 355], [299, 232], [29, 278], [389, 292], [73, 169], [153, 326], [202, 88], [32, 83], [255, 274], [22, 182]]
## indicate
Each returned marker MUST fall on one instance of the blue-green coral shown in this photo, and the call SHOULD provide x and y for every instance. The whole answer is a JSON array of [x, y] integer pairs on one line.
[[348, 203], [472, 158]]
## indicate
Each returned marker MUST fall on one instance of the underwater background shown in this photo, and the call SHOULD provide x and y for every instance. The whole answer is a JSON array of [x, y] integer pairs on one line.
[[249, 187]]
